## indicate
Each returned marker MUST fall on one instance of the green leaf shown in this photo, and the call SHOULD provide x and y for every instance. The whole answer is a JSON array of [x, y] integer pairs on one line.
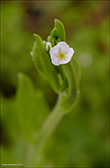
[[52, 38], [44, 66], [70, 95], [44, 108], [76, 68], [38, 61], [31, 109], [60, 31]]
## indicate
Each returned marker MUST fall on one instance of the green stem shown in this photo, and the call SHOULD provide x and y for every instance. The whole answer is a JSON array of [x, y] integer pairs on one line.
[[29, 156], [46, 130]]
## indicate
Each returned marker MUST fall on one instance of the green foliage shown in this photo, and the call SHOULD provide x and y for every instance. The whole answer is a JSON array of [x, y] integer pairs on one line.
[[72, 71], [58, 33], [42, 59], [81, 138], [69, 73], [77, 69], [70, 97], [32, 109], [43, 64]]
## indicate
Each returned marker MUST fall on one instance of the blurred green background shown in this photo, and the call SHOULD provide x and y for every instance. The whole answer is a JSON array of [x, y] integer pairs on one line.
[[82, 137]]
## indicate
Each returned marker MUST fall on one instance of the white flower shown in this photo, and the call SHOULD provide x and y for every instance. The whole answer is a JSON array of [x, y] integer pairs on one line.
[[61, 53]]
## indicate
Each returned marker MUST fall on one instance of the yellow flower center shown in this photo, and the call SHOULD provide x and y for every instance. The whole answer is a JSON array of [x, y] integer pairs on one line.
[[61, 55]]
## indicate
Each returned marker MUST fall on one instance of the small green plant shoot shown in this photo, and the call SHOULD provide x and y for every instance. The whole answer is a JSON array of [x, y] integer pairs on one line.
[[54, 60]]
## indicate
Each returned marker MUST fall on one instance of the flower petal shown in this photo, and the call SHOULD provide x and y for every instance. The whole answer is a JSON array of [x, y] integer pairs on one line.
[[63, 47], [55, 61], [54, 51], [64, 61], [69, 54]]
